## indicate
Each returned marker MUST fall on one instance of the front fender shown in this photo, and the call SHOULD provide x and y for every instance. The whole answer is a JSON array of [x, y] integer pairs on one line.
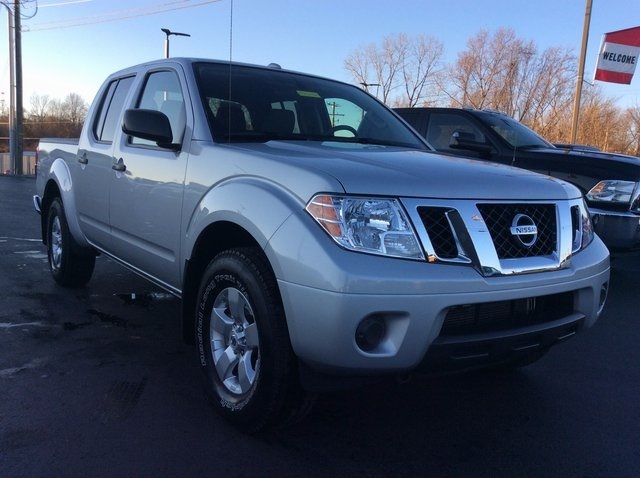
[[256, 205]]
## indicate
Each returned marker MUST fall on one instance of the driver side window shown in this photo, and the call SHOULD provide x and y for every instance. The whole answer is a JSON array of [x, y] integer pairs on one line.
[[442, 126], [162, 93]]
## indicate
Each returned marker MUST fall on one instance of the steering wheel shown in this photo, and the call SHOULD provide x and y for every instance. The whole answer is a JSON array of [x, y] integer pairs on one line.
[[344, 127]]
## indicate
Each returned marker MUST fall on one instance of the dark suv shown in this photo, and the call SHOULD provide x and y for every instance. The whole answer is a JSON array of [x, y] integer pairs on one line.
[[610, 182]]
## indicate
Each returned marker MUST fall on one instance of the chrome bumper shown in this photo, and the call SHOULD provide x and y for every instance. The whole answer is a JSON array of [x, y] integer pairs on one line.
[[618, 230]]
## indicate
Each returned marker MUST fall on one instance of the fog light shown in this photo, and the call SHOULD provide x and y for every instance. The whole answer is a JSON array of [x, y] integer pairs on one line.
[[604, 291], [370, 333]]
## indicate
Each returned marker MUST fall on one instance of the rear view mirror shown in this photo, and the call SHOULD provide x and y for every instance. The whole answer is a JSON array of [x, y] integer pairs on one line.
[[464, 140], [151, 125]]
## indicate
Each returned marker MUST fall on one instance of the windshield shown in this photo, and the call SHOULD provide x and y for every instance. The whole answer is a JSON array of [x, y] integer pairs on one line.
[[513, 132], [259, 104]]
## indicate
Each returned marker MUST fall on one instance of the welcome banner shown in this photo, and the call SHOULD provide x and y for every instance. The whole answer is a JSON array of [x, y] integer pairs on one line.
[[618, 56]]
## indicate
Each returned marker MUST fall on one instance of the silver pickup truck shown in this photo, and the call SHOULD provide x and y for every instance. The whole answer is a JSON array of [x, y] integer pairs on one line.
[[311, 235]]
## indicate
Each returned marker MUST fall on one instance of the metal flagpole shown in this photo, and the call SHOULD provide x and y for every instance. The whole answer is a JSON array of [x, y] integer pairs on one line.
[[583, 53]]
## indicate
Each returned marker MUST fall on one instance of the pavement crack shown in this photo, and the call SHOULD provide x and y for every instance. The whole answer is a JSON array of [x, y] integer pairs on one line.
[[109, 318]]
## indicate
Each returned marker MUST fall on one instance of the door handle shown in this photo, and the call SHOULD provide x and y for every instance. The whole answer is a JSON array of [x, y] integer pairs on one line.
[[119, 166], [83, 159]]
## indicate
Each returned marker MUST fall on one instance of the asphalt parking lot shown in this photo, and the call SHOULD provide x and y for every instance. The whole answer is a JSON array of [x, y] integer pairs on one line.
[[97, 382]]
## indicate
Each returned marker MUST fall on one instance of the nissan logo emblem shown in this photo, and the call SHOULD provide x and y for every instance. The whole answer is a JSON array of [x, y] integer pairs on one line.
[[524, 230]]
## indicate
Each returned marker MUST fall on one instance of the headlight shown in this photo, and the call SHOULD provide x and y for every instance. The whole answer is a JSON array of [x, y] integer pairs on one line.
[[372, 225], [613, 190], [583, 227]]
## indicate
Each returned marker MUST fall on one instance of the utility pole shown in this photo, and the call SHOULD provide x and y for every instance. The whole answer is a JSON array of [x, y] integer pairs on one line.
[[12, 95], [333, 113], [18, 78], [367, 85], [583, 53]]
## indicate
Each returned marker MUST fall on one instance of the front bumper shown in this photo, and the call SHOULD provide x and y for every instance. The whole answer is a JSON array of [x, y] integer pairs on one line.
[[450, 354], [324, 324], [618, 230]]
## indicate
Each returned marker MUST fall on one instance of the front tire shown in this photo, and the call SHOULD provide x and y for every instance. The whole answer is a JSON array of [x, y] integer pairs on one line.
[[70, 265], [249, 367]]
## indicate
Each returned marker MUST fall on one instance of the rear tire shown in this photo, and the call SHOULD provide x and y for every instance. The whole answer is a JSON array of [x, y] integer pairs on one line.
[[250, 370], [70, 265]]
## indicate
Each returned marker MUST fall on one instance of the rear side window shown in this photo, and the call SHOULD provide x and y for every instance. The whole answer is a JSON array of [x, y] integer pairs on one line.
[[106, 123]]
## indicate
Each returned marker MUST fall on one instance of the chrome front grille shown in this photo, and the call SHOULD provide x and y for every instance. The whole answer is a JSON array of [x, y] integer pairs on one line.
[[499, 219], [497, 237], [440, 231]]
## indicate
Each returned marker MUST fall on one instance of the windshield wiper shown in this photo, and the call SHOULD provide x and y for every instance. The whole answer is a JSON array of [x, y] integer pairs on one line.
[[372, 141], [532, 146], [244, 136], [263, 137]]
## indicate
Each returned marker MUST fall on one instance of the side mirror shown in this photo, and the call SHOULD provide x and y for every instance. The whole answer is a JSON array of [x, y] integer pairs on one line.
[[462, 140], [151, 125]]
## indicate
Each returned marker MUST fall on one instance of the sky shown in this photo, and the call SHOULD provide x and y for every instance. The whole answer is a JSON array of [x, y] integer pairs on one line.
[[70, 46]]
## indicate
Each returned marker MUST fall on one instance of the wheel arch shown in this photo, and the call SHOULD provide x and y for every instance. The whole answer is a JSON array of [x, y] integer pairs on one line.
[[215, 238], [51, 191], [59, 184], [245, 212]]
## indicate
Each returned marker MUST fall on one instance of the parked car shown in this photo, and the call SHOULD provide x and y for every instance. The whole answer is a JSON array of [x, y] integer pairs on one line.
[[312, 236], [610, 182]]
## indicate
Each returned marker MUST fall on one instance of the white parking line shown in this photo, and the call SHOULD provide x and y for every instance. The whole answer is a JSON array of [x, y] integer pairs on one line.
[[9, 325], [6, 238], [8, 372]]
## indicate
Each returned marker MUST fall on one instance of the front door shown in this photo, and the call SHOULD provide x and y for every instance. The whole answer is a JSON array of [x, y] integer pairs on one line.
[[146, 194]]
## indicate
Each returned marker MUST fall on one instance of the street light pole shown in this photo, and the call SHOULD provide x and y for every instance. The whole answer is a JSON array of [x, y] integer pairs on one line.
[[168, 33], [367, 85], [12, 92]]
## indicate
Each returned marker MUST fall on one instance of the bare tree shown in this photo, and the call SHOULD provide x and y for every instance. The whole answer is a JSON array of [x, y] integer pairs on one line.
[[497, 71], [601, 121], [420, 68], [505, 73], [475, 75], [358, 64], [53, 117], [39, 107], [399, 62], [75, 108], [387, 63], [56, 109], [631, 127]]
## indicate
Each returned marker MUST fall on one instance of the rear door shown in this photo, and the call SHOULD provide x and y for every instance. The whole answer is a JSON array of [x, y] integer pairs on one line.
[[93, 170], [147, 192]]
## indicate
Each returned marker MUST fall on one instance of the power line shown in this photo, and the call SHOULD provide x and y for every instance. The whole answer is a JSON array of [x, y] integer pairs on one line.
[[63, 3], [9, 4], [118, 15]]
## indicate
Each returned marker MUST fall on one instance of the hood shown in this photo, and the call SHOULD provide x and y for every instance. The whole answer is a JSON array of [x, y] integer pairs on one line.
[[600, 155], [400, 172]]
